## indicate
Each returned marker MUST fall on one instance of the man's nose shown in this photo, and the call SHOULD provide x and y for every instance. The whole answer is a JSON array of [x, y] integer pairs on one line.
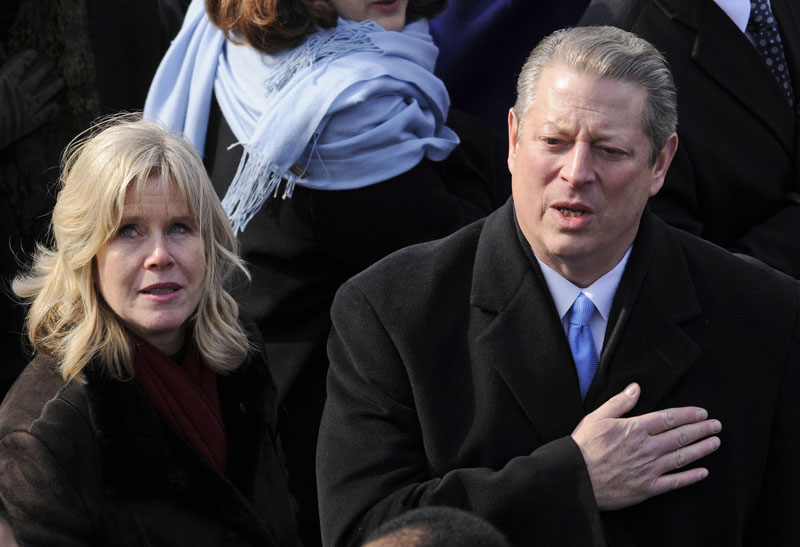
[[579, 166], [158, 253]]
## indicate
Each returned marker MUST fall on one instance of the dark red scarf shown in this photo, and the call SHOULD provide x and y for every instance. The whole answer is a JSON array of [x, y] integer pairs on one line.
[[185, 395]]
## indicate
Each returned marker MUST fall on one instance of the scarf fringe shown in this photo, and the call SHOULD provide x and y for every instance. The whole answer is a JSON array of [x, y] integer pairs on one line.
[[300, 90], [256, 179], [323, 46]]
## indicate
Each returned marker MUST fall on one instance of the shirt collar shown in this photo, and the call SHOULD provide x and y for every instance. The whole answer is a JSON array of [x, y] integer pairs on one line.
[[601, 292], [737, 10]]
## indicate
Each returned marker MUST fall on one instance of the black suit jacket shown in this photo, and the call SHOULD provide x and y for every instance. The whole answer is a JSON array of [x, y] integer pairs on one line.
[[735, 174], [452, 383]]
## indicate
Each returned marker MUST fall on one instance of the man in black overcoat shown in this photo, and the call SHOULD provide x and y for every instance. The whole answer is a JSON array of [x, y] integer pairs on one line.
[[470, 372]]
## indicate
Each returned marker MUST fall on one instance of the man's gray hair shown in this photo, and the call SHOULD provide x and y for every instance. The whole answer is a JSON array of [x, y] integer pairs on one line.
[[612, 53]]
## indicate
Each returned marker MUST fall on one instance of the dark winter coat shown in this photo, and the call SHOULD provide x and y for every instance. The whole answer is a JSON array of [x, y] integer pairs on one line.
[[452, 383], [94, 464]]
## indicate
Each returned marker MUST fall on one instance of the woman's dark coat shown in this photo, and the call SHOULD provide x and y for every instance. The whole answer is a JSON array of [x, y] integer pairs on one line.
[[93, 464]]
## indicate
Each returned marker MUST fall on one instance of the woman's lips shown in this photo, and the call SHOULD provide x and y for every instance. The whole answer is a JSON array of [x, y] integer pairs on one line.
[[386, 5], [161, 291]]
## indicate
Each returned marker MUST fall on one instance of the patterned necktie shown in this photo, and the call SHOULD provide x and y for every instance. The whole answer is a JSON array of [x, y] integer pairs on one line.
[[581, 342], [763, 28]]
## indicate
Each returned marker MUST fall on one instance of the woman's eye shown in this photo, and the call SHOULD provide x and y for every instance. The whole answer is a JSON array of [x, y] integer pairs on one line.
[[179, 228], [128, 230]]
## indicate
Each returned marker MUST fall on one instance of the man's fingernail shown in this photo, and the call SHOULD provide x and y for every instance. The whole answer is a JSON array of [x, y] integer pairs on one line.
[[630, 391], [701, 414]]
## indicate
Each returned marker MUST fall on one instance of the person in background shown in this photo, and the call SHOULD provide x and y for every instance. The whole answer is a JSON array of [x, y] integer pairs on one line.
[[436, 526], [482, 44], [63, 65], [148, 414], [736, 174], [565, 367], [29, 85], [348, 151]]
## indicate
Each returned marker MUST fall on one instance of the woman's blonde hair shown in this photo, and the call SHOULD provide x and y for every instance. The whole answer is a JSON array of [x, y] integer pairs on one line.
[[68, 319]]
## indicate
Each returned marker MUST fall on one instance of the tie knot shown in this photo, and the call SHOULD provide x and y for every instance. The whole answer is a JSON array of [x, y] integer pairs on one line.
[[582, 310]]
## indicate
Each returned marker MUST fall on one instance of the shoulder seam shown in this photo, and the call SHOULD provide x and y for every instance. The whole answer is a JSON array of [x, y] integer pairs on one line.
[[46, 406]]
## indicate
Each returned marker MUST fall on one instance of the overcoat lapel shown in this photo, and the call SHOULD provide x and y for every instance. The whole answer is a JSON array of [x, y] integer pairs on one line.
[[646, 341], [518, 332], [727, 56]]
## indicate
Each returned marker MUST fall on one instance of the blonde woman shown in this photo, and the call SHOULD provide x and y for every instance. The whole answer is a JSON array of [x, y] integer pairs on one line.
[[146, 416]]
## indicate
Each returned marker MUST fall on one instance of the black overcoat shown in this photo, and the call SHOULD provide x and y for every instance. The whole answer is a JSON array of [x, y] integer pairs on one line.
[[451, 382]]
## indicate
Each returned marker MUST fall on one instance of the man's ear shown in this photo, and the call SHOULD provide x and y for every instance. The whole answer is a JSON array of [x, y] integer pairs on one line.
[[663, 160], [513, 126]]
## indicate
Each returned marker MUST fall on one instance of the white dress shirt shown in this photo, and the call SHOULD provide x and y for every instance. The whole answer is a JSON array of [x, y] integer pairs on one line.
[[601, 293], [737, 10]]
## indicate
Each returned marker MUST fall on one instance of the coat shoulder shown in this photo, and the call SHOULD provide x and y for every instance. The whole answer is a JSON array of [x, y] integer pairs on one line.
[[41, 400], [739, 278], [423, 267]]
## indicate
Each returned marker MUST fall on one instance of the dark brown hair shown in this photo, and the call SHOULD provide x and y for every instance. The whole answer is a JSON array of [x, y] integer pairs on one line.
[[270, 26]]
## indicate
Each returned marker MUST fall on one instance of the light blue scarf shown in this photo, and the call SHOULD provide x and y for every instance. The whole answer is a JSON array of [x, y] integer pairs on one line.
[[352, 106]]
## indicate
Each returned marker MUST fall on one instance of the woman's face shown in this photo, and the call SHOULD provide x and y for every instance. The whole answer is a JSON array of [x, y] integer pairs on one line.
[[390, 14], [151, 271]]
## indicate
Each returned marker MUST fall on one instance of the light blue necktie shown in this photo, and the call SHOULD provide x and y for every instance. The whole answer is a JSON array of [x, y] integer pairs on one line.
[[581, 342]]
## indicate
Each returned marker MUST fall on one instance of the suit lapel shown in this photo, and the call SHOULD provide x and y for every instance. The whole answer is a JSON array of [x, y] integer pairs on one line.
[[645, 341], [727, 56], [518, 332]]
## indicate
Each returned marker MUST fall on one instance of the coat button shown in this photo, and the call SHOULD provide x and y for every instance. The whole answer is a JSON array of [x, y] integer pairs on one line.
[[242, 408]]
